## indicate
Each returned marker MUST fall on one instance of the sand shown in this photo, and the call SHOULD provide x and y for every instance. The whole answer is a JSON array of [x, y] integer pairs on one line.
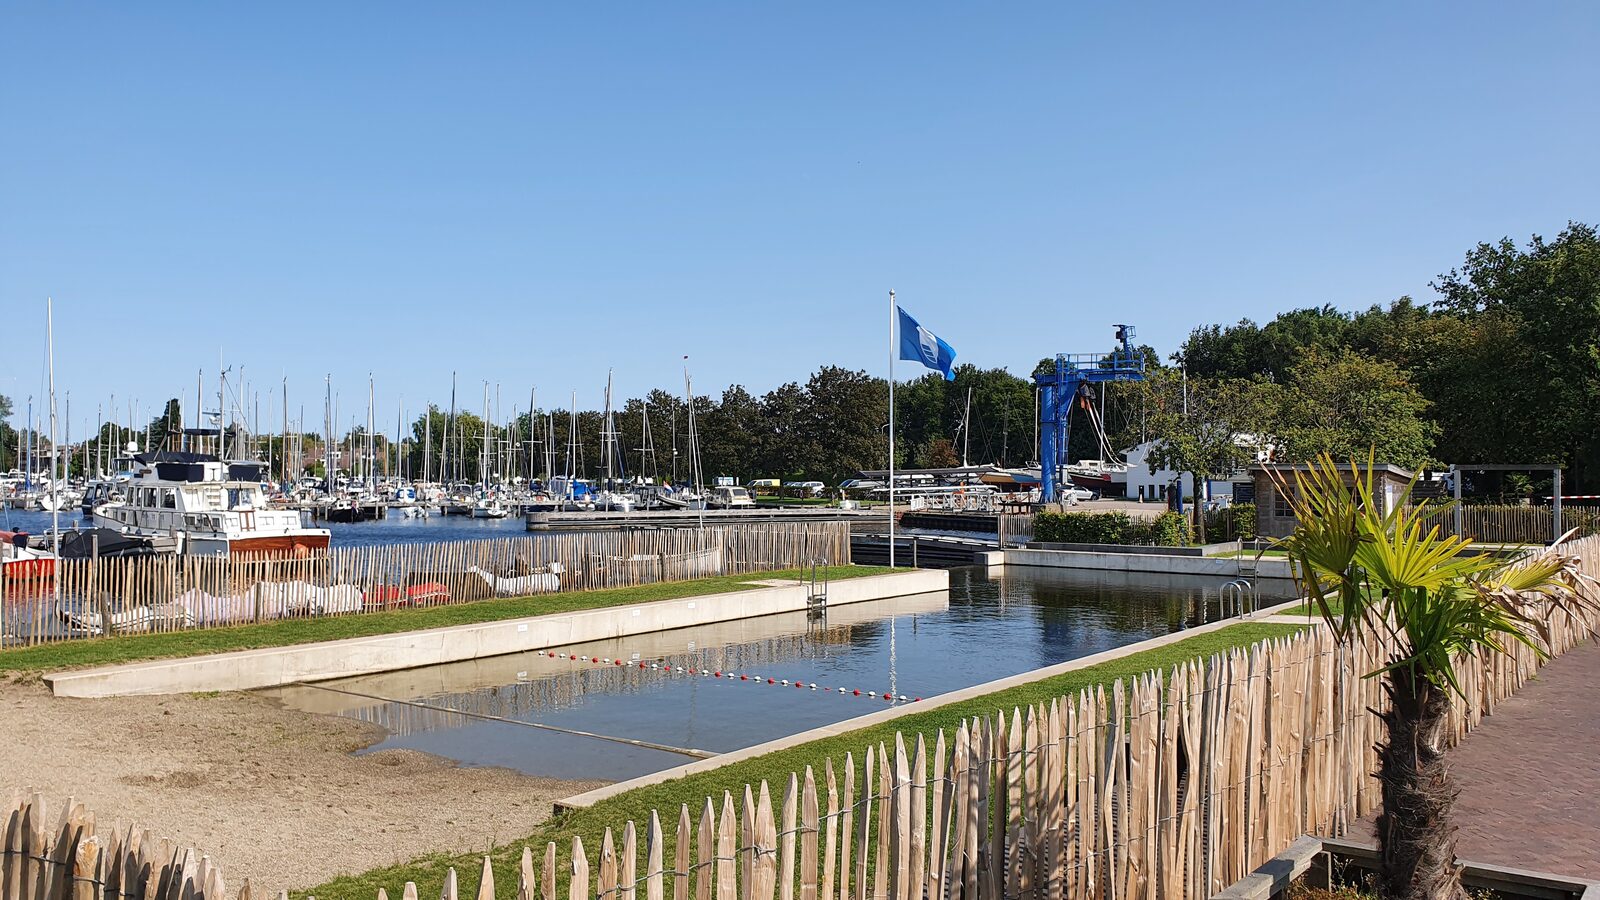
[[271, 794]]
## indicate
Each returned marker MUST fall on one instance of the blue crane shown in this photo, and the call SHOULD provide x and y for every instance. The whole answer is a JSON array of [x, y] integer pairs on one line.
[[1060, 388]]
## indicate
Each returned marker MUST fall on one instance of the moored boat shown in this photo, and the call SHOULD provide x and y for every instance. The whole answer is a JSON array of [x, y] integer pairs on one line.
[[212, 507]]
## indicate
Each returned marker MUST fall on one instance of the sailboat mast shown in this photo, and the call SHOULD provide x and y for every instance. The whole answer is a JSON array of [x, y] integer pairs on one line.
[[572, 445], [55, 451], [966, 428], [608, 436], [372, 446], [327, 434], [444, 453]]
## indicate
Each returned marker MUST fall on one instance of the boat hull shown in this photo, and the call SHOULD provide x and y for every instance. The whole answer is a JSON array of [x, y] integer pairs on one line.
[[287, 545], [18, 571]]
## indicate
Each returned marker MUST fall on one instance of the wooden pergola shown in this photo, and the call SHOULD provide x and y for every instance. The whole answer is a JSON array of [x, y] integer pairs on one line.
[[1555, 489]]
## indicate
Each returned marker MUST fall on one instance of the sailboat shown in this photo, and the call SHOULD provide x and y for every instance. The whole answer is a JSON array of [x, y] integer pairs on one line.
[[609, 497]]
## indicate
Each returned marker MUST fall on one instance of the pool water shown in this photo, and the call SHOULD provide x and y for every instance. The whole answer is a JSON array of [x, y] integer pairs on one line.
[[504, 711]]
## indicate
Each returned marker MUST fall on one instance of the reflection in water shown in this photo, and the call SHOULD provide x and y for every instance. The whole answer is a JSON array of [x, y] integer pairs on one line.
[[990, 625]]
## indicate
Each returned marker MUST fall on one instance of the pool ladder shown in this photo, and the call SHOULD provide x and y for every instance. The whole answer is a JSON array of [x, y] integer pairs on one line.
[[817, 588], [1241, 593]]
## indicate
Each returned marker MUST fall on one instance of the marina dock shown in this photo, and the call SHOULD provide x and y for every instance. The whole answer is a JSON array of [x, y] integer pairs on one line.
[[687, 518]]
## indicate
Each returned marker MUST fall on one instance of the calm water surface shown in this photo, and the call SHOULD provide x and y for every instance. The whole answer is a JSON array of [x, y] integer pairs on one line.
[[986, 627]]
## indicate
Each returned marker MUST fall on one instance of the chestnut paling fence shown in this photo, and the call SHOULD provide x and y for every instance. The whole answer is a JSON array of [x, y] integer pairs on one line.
[[169, 593], [1513, 523], [1165, 786]]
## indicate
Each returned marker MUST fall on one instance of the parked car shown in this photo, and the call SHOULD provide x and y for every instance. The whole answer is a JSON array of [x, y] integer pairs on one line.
[[805, 488], [1073, 494], [759, 486]]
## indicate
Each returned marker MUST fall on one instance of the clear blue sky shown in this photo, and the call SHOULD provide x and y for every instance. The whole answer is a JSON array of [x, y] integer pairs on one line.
[[532, 193]]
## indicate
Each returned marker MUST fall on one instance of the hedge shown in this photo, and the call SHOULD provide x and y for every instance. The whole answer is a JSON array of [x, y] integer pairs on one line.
[[1166, 530]]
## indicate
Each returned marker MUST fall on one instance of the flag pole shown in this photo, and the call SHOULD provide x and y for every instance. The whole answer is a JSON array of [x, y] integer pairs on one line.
[[891, 428]]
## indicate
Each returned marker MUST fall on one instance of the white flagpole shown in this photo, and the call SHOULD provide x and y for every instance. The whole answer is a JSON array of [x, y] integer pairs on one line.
[[891, 427]]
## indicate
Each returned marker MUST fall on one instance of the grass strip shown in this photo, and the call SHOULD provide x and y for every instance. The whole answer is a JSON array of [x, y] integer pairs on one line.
[[1311, 610], [288, 632], [428, 872]]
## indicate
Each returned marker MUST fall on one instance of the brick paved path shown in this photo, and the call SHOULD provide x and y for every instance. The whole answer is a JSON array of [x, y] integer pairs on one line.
[[1530, 774]]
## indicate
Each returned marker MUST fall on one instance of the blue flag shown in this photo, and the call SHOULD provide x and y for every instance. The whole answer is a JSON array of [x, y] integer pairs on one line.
[[918, 344]]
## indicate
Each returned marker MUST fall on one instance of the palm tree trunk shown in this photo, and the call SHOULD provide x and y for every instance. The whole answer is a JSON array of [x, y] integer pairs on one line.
[[1415, 834]]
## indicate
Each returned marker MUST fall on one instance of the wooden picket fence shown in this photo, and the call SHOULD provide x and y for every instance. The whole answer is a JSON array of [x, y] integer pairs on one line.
[[1515, 524], [1167, 786], [171, 593]]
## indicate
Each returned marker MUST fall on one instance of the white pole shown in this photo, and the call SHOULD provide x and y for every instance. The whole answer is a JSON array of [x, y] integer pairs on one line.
[[891, 427], [55, 449]]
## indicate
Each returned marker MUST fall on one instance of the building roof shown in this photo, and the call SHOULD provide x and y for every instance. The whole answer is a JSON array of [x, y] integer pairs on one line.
[[1385, 468]]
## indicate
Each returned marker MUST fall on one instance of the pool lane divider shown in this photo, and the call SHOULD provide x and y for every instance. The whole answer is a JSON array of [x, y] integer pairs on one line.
[[541, 726], [665, 668]]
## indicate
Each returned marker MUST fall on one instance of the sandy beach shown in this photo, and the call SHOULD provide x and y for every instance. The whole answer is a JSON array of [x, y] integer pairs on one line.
[[271, 794]]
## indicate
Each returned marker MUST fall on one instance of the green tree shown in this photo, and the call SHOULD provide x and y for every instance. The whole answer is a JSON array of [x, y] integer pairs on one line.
[[1347, 403], [9, 458], [786, 446], [1207, 427], [1539, 360], [164, 425], [730, 435], [844, 416]]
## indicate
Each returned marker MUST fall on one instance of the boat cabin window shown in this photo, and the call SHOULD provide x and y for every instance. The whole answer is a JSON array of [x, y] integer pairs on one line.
[[241, 498], [169, 498]]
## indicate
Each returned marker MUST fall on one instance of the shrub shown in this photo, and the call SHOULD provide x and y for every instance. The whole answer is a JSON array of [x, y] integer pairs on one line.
[[1167, 530], [1231, 522]]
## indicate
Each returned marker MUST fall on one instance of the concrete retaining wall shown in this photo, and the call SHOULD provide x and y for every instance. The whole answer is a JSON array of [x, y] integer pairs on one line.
[[269, 667], [1222, 567]]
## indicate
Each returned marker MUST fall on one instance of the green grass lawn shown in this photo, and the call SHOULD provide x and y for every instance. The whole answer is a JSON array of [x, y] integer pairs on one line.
[[130, 648], [429, 871], [1311, 610]]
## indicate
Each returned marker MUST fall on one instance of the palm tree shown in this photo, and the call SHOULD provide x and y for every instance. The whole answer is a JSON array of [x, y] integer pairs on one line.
[[1379, 573]]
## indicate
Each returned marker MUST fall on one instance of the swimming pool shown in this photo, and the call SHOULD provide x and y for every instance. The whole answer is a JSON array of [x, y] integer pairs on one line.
[[622, 708]]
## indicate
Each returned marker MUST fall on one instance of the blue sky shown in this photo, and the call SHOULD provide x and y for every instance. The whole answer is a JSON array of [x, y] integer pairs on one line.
[[531, 194]]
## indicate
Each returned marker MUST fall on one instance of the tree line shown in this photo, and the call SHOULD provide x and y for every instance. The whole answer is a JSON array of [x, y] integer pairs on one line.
[[1502, 365]]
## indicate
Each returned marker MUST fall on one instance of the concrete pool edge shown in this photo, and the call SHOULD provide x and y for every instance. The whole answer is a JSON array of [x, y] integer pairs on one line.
[[242, 670], [1267, 614], [1273, 569]]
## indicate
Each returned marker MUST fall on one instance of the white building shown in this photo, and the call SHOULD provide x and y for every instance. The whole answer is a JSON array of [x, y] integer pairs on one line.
[[1140, 478], [1147, 485]]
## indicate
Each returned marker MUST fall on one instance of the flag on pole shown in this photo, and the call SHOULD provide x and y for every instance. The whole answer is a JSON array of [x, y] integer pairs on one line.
[[918, 344]]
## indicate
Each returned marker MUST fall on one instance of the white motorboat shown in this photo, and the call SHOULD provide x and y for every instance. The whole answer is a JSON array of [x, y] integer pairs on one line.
[[489, 508], [212, 507]]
